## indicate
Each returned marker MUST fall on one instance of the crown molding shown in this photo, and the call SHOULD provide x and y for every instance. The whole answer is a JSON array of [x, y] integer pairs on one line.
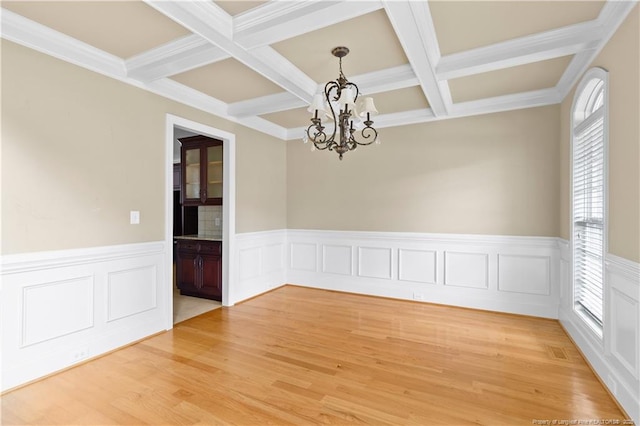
[[611, 16], [414, 27], [523, 50], [280, 20], [173, 58]]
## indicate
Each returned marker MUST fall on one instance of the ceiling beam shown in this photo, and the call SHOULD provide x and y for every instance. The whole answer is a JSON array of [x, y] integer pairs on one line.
[[523, 50], [36, 36], [213, 24], [265, 105], [280, 20], [175, 57], [413, 25]]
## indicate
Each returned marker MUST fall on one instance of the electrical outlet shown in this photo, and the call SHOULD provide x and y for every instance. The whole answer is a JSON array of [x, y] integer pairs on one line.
[[217, 221], [80, 354], [418, 296]]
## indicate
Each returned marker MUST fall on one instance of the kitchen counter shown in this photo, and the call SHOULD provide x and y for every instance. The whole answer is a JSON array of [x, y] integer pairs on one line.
[[203, 237]]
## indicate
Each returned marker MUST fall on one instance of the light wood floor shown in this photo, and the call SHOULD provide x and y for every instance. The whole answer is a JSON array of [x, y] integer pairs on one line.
[[304, 356]]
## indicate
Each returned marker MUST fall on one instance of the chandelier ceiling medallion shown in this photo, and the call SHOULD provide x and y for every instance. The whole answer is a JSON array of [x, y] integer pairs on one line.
[[340, 104]]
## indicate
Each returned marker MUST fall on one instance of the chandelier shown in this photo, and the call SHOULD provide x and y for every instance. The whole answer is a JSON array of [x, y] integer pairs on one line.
[[351, 116]]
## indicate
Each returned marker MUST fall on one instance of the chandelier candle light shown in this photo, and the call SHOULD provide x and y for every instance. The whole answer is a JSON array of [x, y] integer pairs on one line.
[[341, 95]]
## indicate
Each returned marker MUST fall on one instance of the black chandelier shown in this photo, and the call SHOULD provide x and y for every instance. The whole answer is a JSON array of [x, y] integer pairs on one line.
[[353, 116]]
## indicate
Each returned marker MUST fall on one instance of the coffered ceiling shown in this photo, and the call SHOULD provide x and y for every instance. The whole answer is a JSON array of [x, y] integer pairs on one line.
[[259, 63]]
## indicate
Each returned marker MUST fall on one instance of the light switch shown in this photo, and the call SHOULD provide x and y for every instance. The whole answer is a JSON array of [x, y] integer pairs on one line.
[[217, 221], [134, 217]]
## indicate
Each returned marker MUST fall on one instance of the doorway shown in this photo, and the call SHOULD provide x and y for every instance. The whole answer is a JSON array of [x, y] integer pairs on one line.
[[180, 307]]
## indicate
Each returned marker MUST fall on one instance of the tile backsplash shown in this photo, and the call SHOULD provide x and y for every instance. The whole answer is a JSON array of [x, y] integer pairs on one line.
[[210, 221]]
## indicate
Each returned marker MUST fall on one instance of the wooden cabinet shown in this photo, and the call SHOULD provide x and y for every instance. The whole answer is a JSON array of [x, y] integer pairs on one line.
[[199, 268], [201, 159]]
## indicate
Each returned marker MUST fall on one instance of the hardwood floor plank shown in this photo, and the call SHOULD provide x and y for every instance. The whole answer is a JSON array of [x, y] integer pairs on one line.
[[304, 356]]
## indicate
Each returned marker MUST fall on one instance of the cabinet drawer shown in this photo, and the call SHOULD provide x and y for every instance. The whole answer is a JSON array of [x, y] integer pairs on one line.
[[205, 247], [210, 247], [188, 246]]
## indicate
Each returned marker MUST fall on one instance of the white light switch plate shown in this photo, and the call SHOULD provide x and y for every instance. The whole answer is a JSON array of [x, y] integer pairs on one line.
[[134, 217]]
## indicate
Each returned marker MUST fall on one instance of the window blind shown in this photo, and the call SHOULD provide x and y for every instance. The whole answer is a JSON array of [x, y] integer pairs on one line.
[[588, 214]]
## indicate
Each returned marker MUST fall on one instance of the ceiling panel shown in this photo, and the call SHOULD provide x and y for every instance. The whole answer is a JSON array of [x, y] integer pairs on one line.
[[122, 28], [290, 119], [229, 81], [370, 38], [236, 7], [401, 100], [464, 25], [524, 78]]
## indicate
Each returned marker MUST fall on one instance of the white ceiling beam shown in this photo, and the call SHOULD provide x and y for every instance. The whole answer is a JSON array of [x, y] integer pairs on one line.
[[393, 78], [520, 51], [211, 23], [175, 57], [611, 16], [413, 24], [36, 36], [265, 105], [535, 98], [281, 20]]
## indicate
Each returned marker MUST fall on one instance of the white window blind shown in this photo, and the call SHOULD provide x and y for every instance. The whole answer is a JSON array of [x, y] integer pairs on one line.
[[589, 201]]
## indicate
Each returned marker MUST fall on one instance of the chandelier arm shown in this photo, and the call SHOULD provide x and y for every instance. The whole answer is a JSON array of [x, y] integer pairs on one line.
[[367, 133], [327, 94]]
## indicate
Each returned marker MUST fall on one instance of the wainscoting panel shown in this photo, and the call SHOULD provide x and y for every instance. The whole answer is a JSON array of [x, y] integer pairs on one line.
[[524, 274], [450, 269], [615, 355], [43, 320], [62, 307], [261, 265], [250, 263], [304, 256], [337, 260], [466, 269], [417, 265], [131, 292], [374, 262]]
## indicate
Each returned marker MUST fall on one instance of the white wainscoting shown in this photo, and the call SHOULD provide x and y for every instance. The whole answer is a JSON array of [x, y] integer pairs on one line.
[[508, 274], [261, 263], [615, 356], [61, 307]]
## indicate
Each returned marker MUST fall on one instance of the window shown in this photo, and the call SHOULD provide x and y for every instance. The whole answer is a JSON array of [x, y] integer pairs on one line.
[[589, 185]]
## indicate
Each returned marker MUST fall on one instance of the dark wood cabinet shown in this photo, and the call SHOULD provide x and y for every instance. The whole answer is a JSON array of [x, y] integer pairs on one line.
[[201, 178], [199, 268]]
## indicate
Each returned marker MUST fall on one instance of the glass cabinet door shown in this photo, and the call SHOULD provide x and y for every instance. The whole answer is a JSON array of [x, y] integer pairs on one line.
[[192, 173], [214, 172]]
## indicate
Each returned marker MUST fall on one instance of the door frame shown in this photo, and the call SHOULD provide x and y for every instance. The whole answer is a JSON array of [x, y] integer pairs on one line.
[[228, 206]]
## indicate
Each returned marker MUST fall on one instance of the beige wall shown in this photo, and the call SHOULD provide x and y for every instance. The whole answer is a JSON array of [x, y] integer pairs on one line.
[[621, 57], [490, 174], [80, 150]]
